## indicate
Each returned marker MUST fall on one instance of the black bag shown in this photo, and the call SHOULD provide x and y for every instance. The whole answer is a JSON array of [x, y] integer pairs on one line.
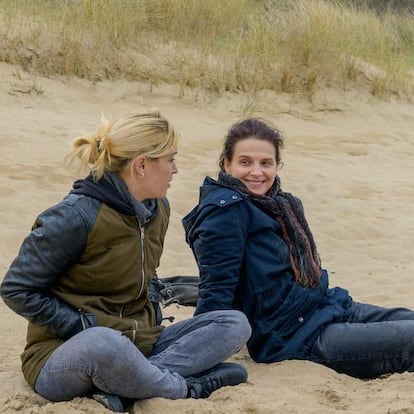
[[182, 290]]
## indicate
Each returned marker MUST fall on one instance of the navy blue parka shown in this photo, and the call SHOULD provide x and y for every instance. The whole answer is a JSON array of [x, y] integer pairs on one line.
[[244, 264]]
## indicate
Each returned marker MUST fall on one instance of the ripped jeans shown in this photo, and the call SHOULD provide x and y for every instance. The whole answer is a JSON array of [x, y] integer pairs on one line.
[[102, 358]]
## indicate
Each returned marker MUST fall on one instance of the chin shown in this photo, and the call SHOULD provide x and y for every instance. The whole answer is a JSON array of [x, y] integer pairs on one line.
[[256, 191]]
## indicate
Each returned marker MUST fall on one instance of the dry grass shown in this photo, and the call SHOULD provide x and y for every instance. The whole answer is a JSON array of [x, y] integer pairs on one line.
[[215, 46]]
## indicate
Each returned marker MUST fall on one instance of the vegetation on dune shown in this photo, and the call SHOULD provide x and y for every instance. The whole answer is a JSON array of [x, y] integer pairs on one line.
[[236, 45]]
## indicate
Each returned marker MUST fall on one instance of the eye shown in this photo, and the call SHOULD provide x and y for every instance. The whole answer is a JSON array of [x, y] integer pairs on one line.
[[244, 162]]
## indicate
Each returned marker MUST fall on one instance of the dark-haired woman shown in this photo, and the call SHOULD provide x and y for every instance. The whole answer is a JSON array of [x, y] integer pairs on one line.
[[256, 253]]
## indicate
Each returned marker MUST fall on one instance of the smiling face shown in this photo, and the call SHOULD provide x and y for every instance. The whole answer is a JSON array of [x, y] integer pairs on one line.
[[254, 164]]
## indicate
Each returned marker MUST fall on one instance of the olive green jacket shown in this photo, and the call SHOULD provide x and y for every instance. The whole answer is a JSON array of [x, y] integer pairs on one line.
[[85, 264]]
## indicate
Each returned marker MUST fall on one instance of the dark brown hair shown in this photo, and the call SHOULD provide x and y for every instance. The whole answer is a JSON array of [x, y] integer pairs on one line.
[[250, 128]]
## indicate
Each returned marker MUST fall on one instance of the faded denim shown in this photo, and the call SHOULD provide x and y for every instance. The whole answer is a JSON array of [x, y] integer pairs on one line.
[[102, 358]]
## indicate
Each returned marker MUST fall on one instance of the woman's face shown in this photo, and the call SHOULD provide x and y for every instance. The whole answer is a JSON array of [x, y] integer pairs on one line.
[[254, 164], [150, 178], [158, 175]]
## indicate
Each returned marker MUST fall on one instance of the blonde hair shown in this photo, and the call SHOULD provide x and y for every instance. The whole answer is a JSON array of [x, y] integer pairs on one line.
[[115, 143]]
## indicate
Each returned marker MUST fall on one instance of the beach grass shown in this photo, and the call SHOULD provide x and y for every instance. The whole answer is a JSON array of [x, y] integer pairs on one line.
[[292, 46]]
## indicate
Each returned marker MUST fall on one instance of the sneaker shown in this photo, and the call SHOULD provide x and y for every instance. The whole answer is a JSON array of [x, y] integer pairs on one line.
[[109, 401], [221, 375]]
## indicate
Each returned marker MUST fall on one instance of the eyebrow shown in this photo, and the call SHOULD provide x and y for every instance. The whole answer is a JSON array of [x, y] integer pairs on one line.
[[249, 157]]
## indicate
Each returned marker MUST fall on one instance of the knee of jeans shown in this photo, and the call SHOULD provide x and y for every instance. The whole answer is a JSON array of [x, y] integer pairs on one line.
[[240, 324], [103, 342]]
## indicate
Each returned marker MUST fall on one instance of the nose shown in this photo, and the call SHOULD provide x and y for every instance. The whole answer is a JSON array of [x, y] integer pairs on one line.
[[256, 169], [174, 169]]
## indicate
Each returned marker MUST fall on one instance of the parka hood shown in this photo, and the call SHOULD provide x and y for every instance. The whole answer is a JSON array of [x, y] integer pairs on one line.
[[211, 194]]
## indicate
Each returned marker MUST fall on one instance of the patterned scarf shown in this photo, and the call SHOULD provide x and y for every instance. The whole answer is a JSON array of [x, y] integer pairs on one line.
[[288, 211]]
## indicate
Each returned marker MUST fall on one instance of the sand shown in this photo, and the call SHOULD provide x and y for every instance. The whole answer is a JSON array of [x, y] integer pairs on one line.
[[349, 157]]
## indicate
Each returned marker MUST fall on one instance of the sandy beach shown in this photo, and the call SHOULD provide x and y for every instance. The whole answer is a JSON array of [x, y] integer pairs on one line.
[[349, 157]]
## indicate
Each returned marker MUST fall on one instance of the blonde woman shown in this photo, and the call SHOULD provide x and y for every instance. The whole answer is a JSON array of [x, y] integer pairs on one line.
[[82, 275]]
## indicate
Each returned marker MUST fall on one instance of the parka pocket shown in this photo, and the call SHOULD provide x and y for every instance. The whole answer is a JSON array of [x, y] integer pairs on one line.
[[287, 316]]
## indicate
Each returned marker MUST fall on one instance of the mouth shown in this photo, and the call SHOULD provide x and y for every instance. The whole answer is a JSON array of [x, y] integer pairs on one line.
[[256, 186]]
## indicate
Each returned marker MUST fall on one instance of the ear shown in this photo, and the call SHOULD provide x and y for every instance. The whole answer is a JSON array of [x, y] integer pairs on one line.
[[227, 166], [139, 165]]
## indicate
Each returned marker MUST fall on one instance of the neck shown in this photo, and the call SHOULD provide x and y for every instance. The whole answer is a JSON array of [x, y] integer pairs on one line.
[[132, 184]]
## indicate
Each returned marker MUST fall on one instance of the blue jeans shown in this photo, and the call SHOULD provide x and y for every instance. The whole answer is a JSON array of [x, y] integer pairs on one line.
[[102, 358], [374, 341]]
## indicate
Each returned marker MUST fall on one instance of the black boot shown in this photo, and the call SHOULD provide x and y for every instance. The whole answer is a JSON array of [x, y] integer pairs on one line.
[[221, 375]]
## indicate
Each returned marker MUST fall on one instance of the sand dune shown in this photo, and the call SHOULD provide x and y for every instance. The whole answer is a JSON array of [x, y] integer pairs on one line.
[[349, 158]]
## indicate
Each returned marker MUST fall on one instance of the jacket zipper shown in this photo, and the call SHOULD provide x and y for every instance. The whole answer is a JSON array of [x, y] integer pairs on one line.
[[142, 236], [134, 332], [81, 319], [142, 232]]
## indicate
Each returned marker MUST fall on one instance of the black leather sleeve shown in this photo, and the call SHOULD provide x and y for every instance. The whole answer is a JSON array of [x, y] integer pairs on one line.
[[57, 239]]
